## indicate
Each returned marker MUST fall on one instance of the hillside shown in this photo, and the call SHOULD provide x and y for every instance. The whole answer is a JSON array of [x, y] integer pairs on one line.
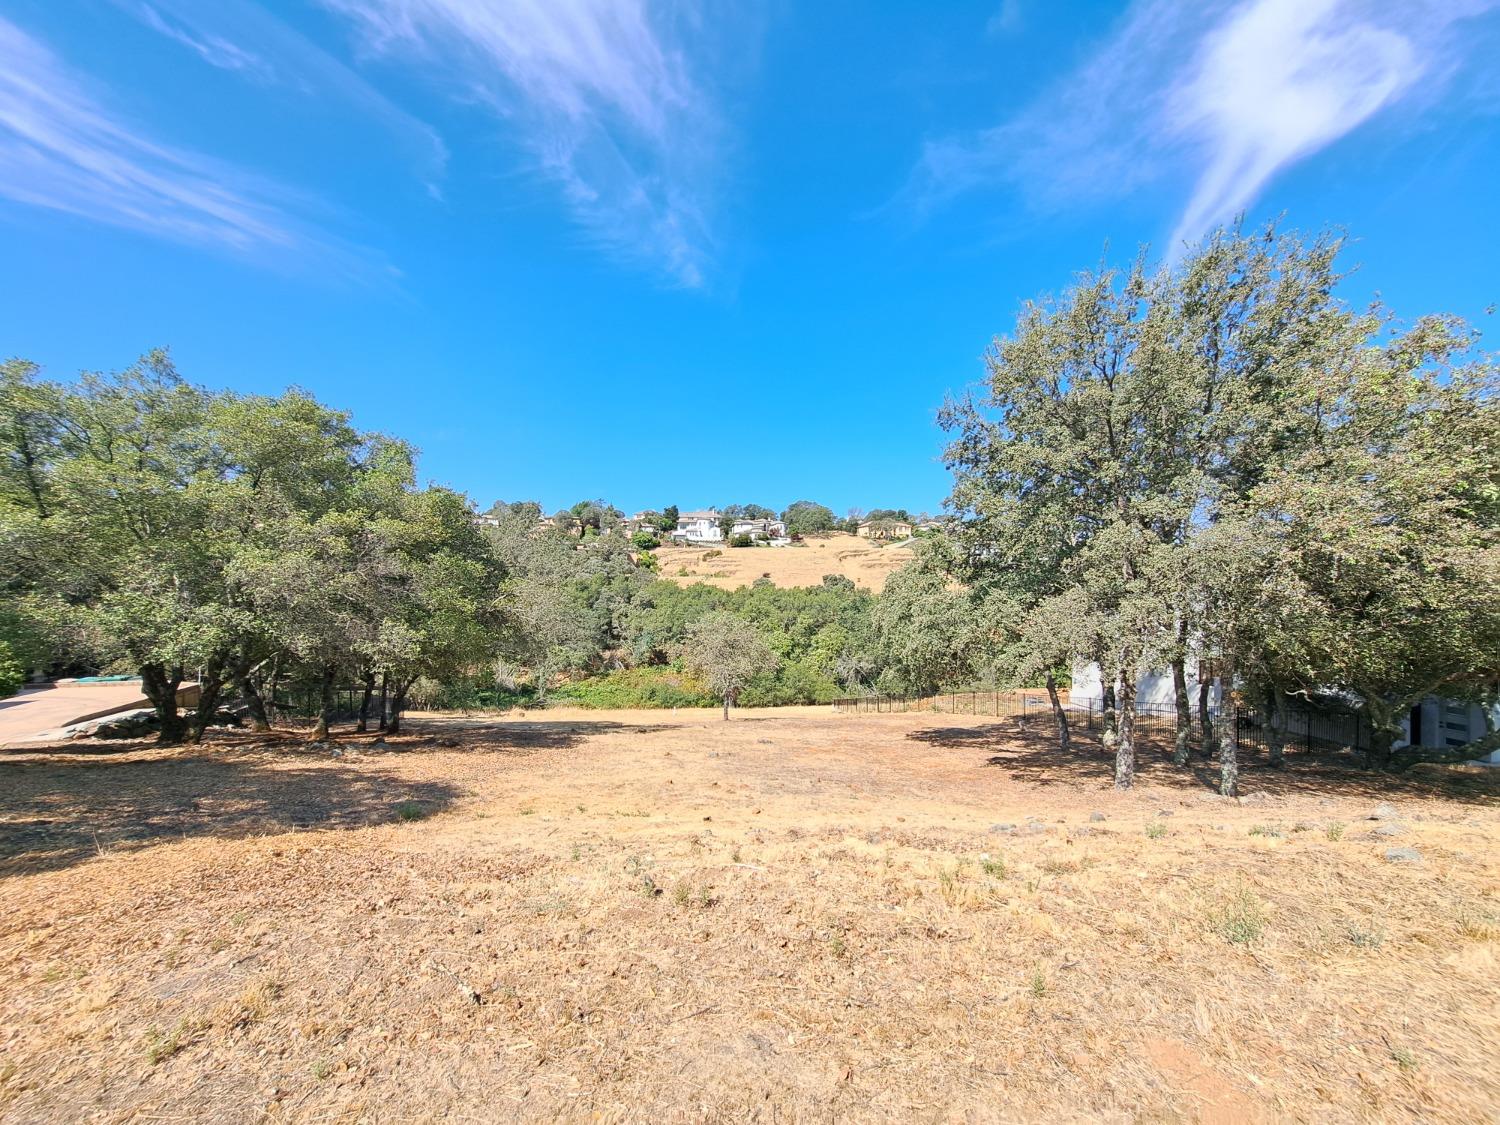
[[865, 563]]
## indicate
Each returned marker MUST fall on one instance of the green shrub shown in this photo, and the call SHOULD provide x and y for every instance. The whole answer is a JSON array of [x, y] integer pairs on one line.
[[645, 686], [741, 540], [644, 541], [12, 675]]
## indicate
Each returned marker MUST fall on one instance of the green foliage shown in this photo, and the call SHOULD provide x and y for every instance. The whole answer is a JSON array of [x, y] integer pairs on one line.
[[803, 517], [645, 541], [12, 675], [644, 687], [726, 652], [741, 541]]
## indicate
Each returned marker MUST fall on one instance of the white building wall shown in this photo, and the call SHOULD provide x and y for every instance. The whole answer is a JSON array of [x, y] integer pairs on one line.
[[1152, 689]]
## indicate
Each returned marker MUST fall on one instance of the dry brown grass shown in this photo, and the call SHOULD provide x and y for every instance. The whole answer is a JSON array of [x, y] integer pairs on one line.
[[865, 563], [648, 917]]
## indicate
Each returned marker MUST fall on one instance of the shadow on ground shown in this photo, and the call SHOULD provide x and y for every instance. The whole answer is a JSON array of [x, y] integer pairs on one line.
[[1031, 754], [58, 812]]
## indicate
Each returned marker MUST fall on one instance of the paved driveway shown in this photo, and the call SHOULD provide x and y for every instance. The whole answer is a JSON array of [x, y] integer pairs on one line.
[[39, 711]]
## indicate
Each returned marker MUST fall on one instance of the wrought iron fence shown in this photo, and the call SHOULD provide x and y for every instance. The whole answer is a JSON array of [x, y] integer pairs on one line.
[[1299, 728]]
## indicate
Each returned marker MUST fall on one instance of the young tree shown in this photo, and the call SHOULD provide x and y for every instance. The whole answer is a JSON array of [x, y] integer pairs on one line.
[[727, 652]]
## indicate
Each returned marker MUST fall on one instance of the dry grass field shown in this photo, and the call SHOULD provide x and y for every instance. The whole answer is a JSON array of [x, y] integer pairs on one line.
[[794, 916], [865, 563]]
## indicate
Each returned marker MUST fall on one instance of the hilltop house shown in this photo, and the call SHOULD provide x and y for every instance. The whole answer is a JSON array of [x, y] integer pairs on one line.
[[884, 529], [698, 527], [761, 530]]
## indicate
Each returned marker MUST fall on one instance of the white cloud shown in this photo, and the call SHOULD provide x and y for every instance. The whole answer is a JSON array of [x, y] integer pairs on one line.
[[242, 37], [1226, 93], [213, 49], [61, 150], [603, 97]]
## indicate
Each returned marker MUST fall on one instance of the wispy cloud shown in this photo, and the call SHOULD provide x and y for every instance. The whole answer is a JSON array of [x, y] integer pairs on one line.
[[1227, 94], [242, 37], [602, 95], [61, 150], [212, 49]]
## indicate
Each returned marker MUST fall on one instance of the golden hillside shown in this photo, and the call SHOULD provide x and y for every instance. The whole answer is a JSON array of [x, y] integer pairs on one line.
[[867, 564]]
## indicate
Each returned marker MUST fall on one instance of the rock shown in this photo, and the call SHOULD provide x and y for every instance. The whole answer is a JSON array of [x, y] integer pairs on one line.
[[1253, 799], [1003, 828], [1383, 811], [1403, 855], [1036, 829], [1095, 817], [1391, 829], [1165, 812]]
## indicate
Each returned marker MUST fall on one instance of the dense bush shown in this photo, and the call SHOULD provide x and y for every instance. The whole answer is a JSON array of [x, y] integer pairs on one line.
[[12, 675], [741, 540], [635, 687], [644, 541]]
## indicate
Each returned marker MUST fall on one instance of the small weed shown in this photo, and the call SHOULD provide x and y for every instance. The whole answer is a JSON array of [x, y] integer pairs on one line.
[[577, 853], [1155, 830], [1059, 866], [239, 918], [259, 999], [1265, 830], [682, 894], [994, 868], [838, 947], [648, 887], [528, 811], [55, 973], [1038, 984], [1363, 938], [1335, 832], [162, 1045], [1479, 925], [1241, 919], [735, 857], [1403, 1058], [948, 884], [322, 1069], [410, 810], [582, 809], [705, 896]]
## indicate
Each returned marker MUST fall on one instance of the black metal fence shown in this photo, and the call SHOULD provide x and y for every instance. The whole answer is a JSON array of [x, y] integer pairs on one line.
[[305, 702], [1298, 728], [1001, 704]]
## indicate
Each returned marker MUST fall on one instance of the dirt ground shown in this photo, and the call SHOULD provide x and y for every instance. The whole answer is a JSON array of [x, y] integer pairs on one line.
[[795, 916], [864, 563]]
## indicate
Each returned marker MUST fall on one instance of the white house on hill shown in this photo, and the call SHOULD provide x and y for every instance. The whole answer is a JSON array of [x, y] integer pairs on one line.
[[698, 527]]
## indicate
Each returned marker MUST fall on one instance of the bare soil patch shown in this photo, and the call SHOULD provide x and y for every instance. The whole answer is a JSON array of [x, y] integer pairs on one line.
[[652, 916]]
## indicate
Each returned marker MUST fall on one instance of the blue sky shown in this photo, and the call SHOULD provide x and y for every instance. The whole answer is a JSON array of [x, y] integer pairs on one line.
[[691, 252]]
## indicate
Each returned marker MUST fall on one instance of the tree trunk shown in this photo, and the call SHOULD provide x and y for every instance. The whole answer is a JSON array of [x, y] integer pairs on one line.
[[255, 704], [1064, 739], [210, 684], [385, 700], [1278, 722], [1229, 748], [398, 704], [1184, 712], [726, 706], [364, 703], [325, 703], [1384, 730], [160, 685], [1110, 717], [1125, 741]]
